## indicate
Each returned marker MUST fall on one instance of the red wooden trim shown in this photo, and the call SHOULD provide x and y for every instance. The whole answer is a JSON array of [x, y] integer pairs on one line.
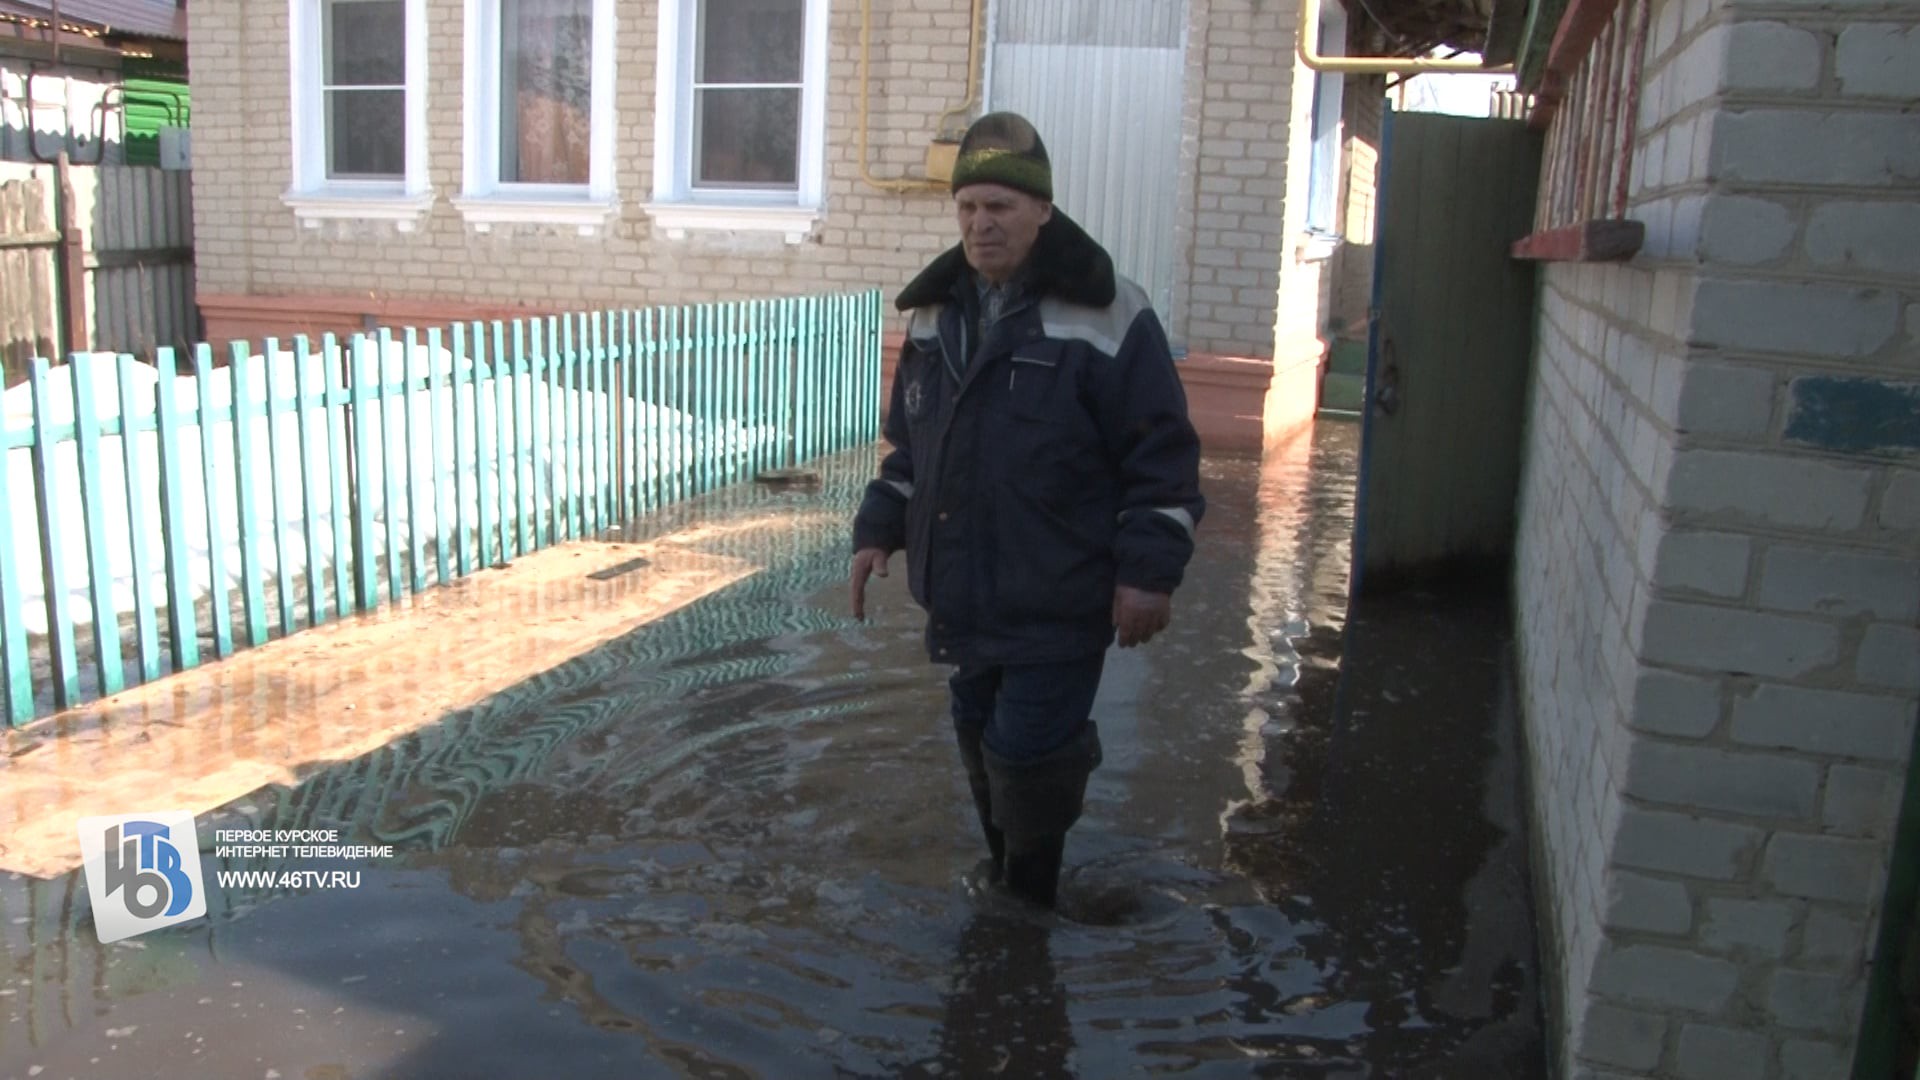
[[1597, 240], [379, 307], [1580, 25], [1541, 118], [235, 317], [1630, 119]]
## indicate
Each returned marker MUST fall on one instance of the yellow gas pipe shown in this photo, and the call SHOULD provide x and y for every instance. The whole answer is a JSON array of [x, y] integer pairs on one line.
[[973, 93]]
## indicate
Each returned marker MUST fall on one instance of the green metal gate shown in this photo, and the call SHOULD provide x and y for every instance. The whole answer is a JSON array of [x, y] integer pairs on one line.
[[1449, 344]]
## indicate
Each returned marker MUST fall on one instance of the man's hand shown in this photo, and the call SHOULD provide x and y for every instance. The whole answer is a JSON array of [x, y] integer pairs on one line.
[[866, 562], [1139, 614]]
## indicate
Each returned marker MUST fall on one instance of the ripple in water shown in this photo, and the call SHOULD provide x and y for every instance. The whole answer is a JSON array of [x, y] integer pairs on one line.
[[735, 842]]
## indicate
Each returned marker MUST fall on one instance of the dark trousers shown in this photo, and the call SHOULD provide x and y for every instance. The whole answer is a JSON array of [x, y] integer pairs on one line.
[[1028, 746], [1024, 711]]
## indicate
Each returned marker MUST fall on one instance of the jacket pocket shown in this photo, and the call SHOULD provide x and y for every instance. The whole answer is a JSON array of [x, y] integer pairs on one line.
[[1034, 390]]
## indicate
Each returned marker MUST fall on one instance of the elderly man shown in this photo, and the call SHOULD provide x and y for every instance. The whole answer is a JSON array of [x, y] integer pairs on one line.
[[1044, 481]]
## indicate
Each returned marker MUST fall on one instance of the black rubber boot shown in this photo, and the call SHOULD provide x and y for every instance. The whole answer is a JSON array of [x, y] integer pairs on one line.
[[970, 756], [1034, 874], [1035, 802]]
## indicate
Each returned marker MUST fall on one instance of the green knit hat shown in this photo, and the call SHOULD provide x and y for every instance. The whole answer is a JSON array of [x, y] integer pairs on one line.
[[1003, 148]]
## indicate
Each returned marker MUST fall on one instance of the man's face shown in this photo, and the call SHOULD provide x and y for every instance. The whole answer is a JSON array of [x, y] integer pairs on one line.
[[998, 225]]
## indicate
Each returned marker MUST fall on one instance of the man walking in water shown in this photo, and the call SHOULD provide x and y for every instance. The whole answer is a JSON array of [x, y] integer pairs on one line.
[[1044, 482]]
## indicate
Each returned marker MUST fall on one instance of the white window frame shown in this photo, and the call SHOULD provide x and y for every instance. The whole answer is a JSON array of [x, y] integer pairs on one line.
[[313, 197], [677, 205], [1323, 174], [484, 200]]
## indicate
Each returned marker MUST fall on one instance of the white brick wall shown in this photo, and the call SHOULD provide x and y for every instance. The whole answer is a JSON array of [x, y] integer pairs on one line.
[[1249, 113], [248, 243], [1737, 694]]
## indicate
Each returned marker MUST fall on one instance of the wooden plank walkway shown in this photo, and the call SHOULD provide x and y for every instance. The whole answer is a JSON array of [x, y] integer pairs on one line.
[[204, 737]]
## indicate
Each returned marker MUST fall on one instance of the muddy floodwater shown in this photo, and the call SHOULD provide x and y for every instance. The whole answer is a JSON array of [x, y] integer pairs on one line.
[[733, 843]]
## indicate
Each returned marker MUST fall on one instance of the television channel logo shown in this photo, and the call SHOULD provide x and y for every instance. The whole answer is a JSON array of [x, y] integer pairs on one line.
[[143, 871]]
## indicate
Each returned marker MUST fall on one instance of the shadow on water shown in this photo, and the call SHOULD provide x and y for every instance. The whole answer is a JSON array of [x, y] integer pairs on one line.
[[732, 844]]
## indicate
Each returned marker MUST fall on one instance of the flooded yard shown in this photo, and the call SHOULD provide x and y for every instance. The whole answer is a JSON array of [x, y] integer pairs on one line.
[[732, 843]]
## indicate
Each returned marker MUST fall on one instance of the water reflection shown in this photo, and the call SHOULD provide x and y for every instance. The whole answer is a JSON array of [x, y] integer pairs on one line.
[[1006, 1014], [730, 844]]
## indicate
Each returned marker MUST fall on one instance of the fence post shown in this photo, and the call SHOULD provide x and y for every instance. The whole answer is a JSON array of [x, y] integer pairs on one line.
[[72, 290], [436, 394], [570, 474], [183, 628], [526, 532], [340, 441], [13, 634], [622, 428], [366, 575], [309, 482], [465, 391], [93, 509], [390, 462], [276, 431], [540, 428], [409, 395], [870, 430], [253, 596], [505, 460]]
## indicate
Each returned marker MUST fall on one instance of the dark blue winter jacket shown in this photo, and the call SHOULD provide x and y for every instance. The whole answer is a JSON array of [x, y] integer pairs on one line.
[[1033, 471]]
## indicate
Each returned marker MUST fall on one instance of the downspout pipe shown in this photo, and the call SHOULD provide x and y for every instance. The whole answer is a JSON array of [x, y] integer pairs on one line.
[[1309, 45]]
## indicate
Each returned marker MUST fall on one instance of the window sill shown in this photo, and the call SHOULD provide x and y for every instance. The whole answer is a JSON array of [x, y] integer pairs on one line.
[[1595, 240], [1317, 247], [315, 208], [678, 219], [483, 212]]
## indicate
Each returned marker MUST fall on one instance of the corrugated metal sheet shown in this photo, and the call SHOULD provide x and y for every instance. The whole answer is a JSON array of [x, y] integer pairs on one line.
[[143, 300], [136, 228], [161, 19], [1148, 24], [1103, 81]]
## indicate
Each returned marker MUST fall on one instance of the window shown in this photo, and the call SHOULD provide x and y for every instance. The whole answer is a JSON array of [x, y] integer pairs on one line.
[[546, 91], [1323, 177], [747, 83], [359, 110], [740, 127], [363, 88], [539, 113]]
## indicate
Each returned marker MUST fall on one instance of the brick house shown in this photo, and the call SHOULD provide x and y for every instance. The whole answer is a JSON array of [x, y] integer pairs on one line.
[[1718, 573], [1186, 134]]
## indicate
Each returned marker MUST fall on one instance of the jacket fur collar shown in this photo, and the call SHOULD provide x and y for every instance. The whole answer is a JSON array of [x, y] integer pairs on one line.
[[1066, 264]]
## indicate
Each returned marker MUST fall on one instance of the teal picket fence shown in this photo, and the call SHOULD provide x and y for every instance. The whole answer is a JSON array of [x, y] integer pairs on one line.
[[193, 508]]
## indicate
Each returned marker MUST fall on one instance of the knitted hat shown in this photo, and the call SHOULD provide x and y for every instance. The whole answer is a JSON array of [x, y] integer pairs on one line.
[[1003, 148]]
